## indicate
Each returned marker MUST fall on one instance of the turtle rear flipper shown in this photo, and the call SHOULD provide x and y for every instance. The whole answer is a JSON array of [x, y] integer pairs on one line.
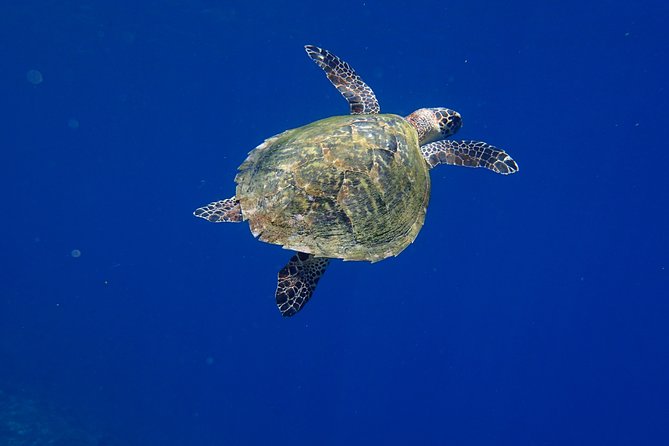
[[297, 282], [222, 211], [470, 154]]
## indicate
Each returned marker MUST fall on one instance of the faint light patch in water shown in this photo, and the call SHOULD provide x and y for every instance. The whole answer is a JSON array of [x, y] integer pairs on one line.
[[73, 123], [75, 253], [209, 360], [128, 37], [34, 77]]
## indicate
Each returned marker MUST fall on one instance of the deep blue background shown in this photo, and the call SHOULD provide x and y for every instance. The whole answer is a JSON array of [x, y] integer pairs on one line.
[[532, 309]]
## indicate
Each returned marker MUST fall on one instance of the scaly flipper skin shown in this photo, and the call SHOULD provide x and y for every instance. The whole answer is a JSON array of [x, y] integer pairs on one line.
[[297, 282], [222, 211], [358, 94], [470, 154]]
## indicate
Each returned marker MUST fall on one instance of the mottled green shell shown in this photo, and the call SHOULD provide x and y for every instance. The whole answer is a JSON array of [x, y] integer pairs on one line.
[[352, 187]]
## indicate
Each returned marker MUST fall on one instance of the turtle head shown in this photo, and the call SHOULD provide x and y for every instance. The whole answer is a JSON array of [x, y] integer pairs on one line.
[[433, 124]]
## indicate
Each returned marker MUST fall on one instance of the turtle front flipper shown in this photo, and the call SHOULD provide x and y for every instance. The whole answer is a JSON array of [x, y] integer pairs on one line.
[[222, 211], [360, 97], [297, 281], [470, 154]]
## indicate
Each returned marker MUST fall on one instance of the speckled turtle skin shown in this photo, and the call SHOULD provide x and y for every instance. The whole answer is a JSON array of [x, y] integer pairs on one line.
[[352, 187]]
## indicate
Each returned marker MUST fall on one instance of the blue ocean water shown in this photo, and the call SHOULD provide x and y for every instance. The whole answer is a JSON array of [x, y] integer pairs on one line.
[[531, 310]]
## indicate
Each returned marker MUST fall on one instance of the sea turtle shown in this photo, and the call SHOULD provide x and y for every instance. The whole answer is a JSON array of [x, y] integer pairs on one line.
[[353, 187]]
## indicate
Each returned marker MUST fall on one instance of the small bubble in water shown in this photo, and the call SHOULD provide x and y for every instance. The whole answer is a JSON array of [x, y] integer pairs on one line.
[[209, 360], [75, 253], [34, 77], [73, 123], [128, 37]]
